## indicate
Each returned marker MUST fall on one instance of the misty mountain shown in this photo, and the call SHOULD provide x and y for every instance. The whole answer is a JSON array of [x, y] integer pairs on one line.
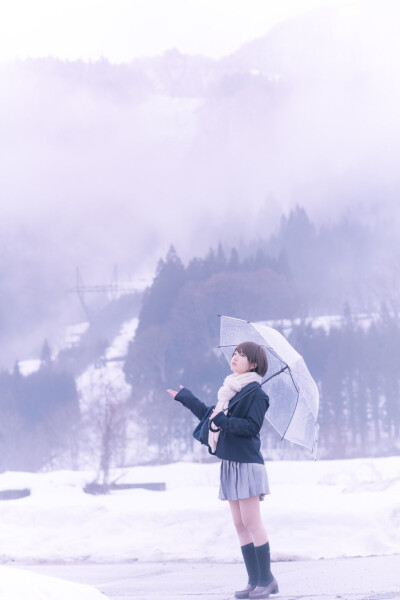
[[106, 164]]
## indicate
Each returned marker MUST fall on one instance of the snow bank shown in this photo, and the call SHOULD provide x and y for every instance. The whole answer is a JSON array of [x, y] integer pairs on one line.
[[71, 337], [92, 382], [326, 322], [16, 584], [316, 510], [29, 366]]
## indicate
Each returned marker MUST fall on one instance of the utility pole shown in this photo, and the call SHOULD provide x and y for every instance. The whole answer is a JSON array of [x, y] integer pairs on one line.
[[113, 289]]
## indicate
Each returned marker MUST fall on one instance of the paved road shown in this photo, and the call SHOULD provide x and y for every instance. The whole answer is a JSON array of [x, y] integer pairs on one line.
[[372, 578]]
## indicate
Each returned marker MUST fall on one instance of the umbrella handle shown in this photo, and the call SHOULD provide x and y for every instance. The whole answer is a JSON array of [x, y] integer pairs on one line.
[[211, 428]]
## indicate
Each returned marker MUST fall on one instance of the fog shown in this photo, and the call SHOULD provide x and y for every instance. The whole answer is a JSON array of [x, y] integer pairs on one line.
[[104, 165]]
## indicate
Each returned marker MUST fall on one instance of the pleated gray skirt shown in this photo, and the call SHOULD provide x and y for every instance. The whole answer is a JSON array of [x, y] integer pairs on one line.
[[243, 480]]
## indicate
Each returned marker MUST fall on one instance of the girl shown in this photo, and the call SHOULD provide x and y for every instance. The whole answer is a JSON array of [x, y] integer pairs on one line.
[[234, 437]]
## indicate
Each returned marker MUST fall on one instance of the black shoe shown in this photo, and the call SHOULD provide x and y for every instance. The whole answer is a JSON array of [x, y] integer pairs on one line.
[[264, 592], [245, 592]]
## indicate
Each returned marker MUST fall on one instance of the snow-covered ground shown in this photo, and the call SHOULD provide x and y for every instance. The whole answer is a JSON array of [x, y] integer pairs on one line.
[[316, 509], [70, 337], [102, 384], [16, 584], [92, 382], [29, 366], [325, 322]]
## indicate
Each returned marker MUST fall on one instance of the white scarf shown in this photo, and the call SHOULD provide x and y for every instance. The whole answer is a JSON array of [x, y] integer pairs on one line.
[[231, 386]]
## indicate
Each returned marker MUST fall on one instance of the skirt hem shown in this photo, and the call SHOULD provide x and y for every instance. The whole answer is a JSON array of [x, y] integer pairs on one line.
[[243, 480]]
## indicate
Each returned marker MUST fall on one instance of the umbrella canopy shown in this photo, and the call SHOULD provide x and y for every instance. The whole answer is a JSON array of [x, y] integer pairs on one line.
[[293, 393]]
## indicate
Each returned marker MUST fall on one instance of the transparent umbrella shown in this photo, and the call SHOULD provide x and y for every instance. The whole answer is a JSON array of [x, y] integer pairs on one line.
[[293, 393]]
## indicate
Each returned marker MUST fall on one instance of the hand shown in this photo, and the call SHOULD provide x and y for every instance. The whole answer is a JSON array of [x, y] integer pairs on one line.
[[214, 413], [173, 393], [214, 428]]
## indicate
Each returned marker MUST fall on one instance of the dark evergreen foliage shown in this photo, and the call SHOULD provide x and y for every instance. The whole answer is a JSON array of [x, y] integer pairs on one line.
[[331, 265], [356, 366], [178, 329], [159, 298], [37, 415]]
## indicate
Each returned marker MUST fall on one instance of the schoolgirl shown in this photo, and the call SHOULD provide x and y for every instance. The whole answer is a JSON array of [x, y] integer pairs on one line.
[[234, 437]]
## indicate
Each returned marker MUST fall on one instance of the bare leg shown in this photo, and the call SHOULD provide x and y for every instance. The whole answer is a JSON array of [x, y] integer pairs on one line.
[[250, 517], [243, 533]]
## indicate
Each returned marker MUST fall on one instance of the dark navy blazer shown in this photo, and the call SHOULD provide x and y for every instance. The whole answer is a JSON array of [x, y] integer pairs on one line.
[[239, 439]]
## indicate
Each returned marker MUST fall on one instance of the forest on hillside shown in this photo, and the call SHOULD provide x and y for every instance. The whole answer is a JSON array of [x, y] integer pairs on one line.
[[109, 164], [287, 279], [357, 367], [39, 418], [126, 159]]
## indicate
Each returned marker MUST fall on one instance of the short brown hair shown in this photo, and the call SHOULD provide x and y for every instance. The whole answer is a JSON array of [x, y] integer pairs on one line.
[[254, 354]]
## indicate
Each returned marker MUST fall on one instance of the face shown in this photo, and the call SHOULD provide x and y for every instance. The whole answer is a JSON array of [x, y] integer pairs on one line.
[[240, 363]]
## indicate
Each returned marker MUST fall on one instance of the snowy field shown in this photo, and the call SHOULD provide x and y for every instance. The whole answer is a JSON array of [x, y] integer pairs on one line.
[[92, 382], [316, 509], [16, 584], [325, 509]]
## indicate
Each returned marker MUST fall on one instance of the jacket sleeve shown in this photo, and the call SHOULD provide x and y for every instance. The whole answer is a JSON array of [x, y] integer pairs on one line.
[[245, 426], [185, 397]]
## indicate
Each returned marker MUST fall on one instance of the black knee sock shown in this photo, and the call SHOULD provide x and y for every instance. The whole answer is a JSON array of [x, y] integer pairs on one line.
[[250, 560], [264, 565]]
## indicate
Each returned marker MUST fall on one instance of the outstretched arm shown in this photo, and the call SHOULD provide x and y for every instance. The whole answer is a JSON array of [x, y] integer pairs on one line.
[[185, 397]]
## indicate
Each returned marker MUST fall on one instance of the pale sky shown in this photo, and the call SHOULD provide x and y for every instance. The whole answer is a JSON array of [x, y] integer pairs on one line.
[[120, 30]]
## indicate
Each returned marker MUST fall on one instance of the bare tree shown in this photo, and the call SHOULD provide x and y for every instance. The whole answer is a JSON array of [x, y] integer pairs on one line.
[[106, 420]]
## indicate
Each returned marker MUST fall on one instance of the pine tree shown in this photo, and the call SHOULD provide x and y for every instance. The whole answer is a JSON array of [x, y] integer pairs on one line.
[[45, 356]]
